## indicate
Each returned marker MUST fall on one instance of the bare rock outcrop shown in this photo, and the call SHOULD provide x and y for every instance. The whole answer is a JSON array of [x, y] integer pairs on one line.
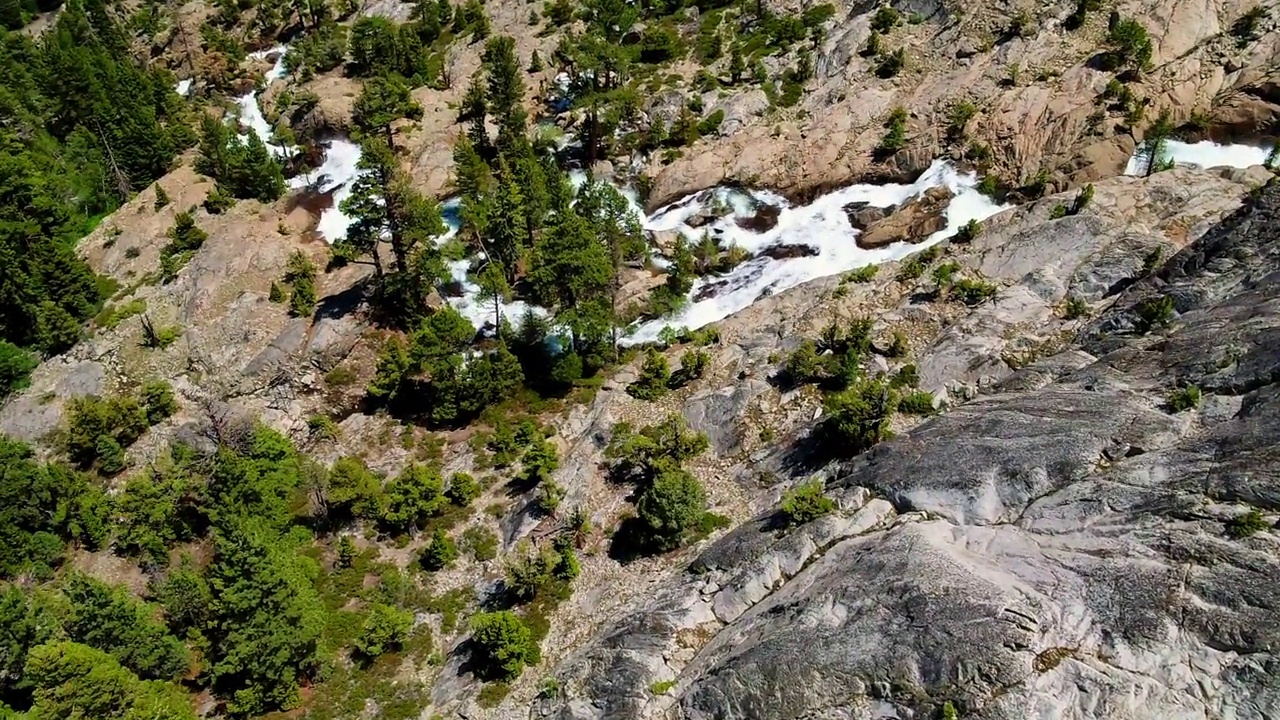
[[1052, 549], [912, 221], [1036, 97]]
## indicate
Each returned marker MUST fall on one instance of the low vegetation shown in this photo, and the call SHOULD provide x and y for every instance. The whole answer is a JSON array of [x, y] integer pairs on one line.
[[805, 503]]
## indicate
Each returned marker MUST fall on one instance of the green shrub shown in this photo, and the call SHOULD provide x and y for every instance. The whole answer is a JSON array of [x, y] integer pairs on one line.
[[1185, 398], [441, 553], [662, 687], [528, 572], [899, 347], [967, 232], [659, 43], [805, 503], [1083, 198], [907, 376], [504, 645], [158, 400], [341, 376], [874, 45], [16, 365], [654, 377], [159, 337], [300, 274], [112, 315], [891, 64], [944, 274], [672, 508], [462, 489], [1058, 211], [1076, 308], [480, 543], [185, 238], [885, 19], [895, 137], [162, 197], [1130, 44], [322, 427], [1246, 524], [550, 495], [1151, 261], [385, 629], [857, 418], [1154, 312], [973, 292], [711, 123], [864, 274], [99, 429], [804, 365], [958, 118], [917, 403]]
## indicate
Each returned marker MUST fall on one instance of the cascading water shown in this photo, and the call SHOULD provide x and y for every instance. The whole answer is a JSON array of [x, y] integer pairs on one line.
[[1205, 153], [251, 113], [822, 226]]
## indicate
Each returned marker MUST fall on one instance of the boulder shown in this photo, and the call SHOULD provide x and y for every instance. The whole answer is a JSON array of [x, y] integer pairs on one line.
[[764, 219], [913, 221], [862, 214], [788, 251]]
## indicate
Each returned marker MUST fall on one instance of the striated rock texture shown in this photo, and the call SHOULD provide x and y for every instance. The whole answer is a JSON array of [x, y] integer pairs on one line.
[[1055, 548], [1036, 93]]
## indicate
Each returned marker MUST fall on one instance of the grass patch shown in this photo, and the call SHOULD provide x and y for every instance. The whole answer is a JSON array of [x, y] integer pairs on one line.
[[114, 314], [661, 687], [1249, 523], [492, 694], [452, 607]]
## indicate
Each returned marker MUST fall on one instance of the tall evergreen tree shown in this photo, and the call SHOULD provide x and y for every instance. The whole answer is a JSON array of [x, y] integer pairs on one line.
[[383, 100], [505, 226]]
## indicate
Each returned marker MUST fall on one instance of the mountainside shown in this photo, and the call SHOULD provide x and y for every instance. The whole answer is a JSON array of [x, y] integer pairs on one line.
[[1065, 545], [666, 360]]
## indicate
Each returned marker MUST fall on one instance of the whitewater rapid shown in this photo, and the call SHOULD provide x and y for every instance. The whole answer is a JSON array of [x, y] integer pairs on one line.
[[1204, 154], [251, 111], [822, 225]]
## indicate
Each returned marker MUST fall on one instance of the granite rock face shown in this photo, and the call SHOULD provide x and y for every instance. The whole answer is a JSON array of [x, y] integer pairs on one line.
[[1058, 547]]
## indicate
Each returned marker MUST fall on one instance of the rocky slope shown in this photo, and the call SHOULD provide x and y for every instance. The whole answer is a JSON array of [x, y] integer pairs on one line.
[[1053, 548], [1036, 93]]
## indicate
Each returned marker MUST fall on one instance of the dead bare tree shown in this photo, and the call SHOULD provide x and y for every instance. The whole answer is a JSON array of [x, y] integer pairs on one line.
[[123, 186]]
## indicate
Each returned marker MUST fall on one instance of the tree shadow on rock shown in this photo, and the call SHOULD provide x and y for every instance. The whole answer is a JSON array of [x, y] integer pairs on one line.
[[632, 541], [339, 305]]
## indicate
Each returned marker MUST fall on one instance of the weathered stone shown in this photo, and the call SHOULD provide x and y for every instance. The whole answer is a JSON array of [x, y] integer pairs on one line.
[[912, 221], [862, 214]]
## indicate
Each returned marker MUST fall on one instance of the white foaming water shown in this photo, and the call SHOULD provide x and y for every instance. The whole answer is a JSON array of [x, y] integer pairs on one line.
[[822, 225], [480, 312], [183, 87], [1205, 153], [251, 113], [336, 174]]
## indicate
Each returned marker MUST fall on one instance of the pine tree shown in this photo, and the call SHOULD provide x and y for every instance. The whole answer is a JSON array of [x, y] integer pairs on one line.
[[441, 553], [494, 289], [737, 64], [505, 226], [505, 96], [383, 100]]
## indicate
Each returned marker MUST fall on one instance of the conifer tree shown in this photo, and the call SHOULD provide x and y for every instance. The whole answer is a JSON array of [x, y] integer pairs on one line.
[[383, 100], [505, 227]]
